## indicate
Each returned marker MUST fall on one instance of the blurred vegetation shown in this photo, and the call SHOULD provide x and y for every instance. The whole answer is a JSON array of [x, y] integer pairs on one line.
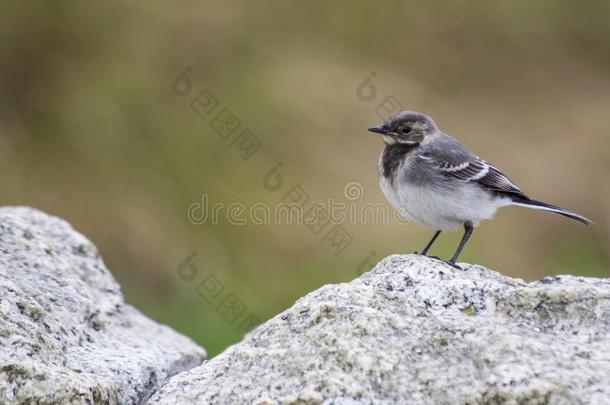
[[91, 131]]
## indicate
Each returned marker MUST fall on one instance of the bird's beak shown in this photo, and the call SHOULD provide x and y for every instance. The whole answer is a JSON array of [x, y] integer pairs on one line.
[[379, 129]]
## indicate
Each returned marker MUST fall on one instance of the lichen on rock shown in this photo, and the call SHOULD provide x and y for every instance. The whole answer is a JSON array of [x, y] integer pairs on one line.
[[66, 334], [414, 330]]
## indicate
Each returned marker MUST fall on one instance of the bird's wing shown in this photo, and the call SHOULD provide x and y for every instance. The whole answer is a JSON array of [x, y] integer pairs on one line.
[[495, 180], [451, 159]]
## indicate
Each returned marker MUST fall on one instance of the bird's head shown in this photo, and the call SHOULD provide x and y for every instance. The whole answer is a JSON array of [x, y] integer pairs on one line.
[[406, 127]]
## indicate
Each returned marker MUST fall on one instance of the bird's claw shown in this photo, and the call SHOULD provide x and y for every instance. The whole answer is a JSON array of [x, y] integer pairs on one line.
[[449, 262], [452, 264], [426, 255]]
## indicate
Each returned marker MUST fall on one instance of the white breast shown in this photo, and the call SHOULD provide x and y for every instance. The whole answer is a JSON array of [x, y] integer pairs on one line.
[[441, 209]]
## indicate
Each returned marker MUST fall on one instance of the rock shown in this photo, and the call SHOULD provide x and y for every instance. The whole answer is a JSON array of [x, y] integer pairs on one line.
[[66, 334], [414, 330]]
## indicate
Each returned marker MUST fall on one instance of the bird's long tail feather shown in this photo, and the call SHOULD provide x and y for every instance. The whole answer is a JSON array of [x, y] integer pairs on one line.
[[539, 205]]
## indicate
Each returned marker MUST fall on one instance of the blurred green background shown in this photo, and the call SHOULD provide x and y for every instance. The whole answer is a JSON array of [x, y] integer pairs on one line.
[[92, 131]]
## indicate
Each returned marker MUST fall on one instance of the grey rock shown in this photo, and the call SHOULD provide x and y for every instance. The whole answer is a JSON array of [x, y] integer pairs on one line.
[[66, 334], [416, 331]]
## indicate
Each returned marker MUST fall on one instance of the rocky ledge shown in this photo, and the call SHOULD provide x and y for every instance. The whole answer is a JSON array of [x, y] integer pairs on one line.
[[416, 331], [66, 334]]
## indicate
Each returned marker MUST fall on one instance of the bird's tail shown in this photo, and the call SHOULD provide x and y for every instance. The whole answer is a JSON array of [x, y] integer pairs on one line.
[[539, 205]]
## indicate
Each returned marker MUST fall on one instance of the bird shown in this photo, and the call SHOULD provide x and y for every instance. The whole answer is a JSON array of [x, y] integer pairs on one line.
[[433, 180]]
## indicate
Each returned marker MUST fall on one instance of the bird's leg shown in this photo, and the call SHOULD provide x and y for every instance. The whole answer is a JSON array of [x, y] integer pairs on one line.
[[424, 251], [468, 228]]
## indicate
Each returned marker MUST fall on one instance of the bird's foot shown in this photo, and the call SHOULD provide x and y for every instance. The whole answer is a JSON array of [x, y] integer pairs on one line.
[[452, 264], [426, 255]]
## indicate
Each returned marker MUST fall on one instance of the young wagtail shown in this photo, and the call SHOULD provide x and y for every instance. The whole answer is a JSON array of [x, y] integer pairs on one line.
[[432, 179]]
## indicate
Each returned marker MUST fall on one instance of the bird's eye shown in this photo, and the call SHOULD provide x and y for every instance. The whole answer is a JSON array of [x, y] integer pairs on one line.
[[406, 130]]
